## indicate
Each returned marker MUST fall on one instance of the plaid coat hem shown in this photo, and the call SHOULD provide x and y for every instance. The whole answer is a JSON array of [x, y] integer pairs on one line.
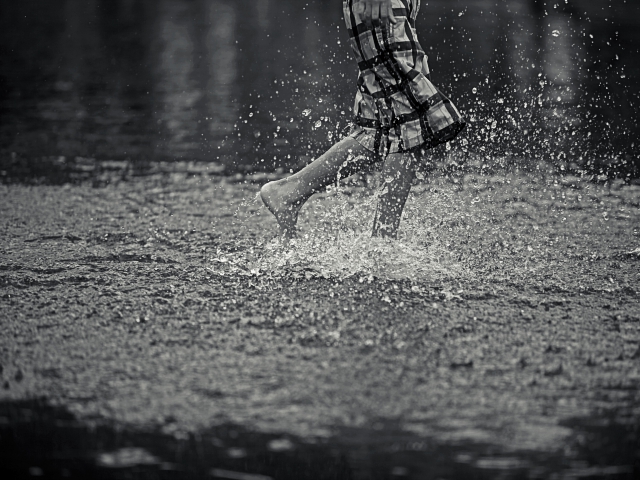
[[397, 108]]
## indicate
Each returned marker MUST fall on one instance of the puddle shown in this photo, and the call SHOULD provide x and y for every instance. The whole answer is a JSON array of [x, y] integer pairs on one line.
[[38, 440]]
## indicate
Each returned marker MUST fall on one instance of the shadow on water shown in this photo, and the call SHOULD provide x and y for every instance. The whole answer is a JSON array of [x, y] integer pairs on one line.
[[262, 84], [38, 440]]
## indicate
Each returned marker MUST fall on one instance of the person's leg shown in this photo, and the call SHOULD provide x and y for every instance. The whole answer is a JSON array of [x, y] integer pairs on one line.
[[284, 198], [397, 175]]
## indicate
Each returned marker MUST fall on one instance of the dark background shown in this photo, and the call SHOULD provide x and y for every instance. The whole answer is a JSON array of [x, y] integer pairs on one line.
[[260, 84]]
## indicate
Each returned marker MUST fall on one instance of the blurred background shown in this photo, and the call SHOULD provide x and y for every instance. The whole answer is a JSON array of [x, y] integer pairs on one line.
[[255, 85]]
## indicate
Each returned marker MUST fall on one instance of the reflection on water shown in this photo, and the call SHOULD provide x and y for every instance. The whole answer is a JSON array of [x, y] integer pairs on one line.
[[222, 50], [227, 80], [178, 90], [561, 57]]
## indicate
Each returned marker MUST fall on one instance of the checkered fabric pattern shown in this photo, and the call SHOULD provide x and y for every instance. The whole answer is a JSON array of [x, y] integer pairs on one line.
[[397, 108]]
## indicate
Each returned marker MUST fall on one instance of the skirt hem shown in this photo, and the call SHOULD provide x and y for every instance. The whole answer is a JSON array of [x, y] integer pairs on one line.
[[371, 138]]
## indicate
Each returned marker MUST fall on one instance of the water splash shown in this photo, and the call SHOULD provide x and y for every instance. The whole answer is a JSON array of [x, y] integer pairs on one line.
[[335, 242]]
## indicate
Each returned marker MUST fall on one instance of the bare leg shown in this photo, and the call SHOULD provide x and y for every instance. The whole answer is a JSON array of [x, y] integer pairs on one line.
[[284, 198], [397, 175]]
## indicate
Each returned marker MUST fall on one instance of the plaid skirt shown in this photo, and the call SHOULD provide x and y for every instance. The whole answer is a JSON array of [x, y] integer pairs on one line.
[[397, 108]]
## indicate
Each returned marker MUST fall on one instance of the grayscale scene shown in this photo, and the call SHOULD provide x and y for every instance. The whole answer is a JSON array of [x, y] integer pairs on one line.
[[320, 239]]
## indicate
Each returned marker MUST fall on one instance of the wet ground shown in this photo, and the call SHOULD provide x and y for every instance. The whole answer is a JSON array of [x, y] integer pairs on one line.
[[157, 316]]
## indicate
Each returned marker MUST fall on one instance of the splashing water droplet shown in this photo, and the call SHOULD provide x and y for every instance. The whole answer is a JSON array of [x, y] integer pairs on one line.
[[556, 33], [354, 253], [305, 113]]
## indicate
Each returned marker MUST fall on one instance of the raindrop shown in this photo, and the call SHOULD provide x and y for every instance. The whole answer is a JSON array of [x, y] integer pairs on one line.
[[474, 90]]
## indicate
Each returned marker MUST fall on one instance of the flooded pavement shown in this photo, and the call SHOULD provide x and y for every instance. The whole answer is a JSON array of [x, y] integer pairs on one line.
[[37, 440], [260, 84]]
